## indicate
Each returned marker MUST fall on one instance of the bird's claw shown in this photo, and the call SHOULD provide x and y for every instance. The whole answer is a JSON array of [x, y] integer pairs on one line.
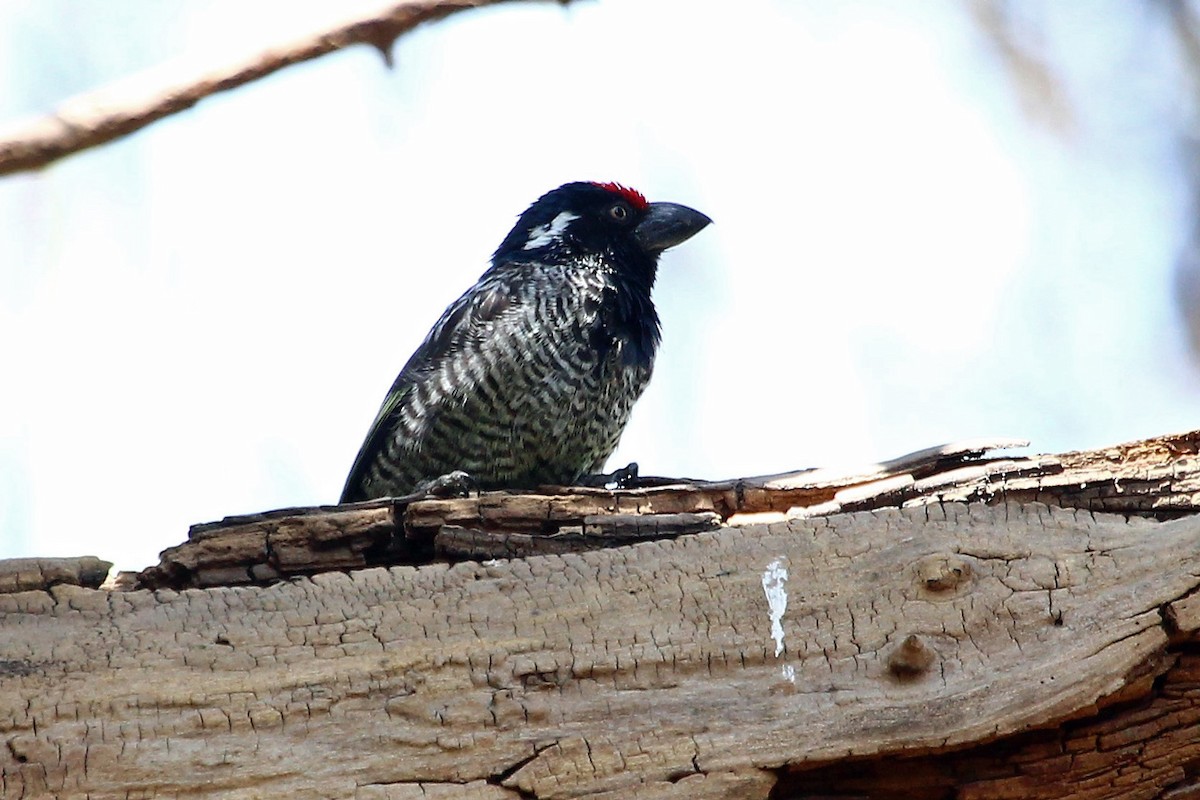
[[624, 478]]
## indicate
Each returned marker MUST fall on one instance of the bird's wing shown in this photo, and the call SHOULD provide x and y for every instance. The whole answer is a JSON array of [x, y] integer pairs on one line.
[[457, 331]]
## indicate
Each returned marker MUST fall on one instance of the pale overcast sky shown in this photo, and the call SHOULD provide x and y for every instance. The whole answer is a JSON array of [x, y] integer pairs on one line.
[[202, 319]]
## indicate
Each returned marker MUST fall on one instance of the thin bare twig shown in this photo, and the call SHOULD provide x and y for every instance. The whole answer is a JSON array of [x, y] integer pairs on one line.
[[99, 117], [1040, 89]]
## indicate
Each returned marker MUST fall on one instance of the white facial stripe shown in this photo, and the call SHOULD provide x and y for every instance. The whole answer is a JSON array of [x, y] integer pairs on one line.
[[545, 234]]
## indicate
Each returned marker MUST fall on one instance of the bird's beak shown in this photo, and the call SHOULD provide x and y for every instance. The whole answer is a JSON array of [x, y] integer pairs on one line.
[[666, 225]]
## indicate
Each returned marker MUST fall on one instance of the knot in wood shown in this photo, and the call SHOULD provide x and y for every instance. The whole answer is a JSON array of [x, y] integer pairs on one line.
[[911, 658], [943, 572]]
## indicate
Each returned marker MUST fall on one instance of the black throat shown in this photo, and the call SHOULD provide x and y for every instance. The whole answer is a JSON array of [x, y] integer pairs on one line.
[[627, 311]]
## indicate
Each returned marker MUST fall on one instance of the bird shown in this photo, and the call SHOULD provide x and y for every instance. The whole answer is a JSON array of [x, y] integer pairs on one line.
[[529, 378]]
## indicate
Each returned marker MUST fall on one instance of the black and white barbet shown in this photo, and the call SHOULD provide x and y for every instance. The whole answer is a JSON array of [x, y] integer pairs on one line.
[[529, 377]]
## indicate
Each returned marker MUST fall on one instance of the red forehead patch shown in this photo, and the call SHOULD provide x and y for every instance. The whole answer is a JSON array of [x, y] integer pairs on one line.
[[631, 196]]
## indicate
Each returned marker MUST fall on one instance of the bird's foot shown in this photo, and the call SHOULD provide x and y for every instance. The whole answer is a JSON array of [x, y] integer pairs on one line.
[[452, 484], [624, 478]]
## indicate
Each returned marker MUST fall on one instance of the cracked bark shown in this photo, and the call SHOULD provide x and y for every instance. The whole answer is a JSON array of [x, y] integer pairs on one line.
[[987, 650]]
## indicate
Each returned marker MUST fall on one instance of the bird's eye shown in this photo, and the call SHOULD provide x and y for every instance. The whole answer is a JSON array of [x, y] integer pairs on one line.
[[619, 212]]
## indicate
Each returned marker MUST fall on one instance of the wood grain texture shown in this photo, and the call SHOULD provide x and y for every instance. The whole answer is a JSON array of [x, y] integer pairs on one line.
[[647, 670], [23, 574], [1159, 478]]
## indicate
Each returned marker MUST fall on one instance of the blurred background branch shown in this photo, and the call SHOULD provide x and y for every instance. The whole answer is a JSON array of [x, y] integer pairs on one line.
[[1187, 267], [1039, 83], [98, 117], [1023, 55]]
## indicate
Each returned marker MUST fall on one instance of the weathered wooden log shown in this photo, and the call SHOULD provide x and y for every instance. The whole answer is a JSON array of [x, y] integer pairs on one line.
[[1158, 477], [598, 530], [992, 649], [24, 574]]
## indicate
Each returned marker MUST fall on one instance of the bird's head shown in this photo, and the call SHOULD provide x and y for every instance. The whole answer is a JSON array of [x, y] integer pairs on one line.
[[605, 220]]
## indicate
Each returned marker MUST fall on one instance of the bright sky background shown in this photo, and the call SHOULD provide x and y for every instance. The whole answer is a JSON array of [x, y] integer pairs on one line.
[[202, 319]]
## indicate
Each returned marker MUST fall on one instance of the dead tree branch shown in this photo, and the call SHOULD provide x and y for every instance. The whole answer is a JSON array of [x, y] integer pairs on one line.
[[1158, 478], [944, 650], [946, 624]]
